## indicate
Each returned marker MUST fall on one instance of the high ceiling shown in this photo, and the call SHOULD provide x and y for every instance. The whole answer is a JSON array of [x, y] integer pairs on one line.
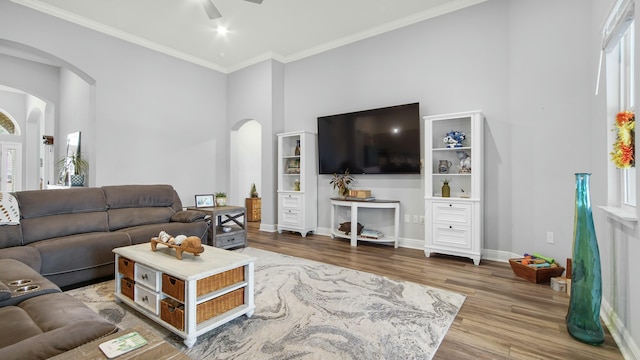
[[284, 30]]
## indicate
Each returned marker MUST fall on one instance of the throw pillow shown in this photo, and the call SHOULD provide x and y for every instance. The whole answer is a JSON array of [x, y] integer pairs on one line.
[[9, 210]]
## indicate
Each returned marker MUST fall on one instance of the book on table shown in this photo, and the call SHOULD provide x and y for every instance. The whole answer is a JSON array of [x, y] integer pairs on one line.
[[122, 345], [371, 234]]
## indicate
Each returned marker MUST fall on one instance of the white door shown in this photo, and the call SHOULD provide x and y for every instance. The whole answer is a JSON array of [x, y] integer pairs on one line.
[[10, 167]]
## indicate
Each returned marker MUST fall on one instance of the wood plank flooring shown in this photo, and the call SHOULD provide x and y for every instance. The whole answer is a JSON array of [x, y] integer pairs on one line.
[[503, 317]]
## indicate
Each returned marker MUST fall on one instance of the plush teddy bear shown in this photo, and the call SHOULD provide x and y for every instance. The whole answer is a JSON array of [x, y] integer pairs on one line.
[[346, 227]]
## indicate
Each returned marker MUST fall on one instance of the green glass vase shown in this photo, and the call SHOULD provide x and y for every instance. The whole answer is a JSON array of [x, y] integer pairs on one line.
[[583, 318]]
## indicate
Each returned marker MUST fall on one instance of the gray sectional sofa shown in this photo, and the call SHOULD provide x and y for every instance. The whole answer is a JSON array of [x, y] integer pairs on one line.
[[64, 238], [67, 234]]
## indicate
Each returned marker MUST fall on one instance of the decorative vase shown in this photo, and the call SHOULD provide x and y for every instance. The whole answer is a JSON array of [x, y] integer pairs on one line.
[[77, 179], [296, 152], [221, 201], [296, 185], [443, 166], [446, 190], [583, 318]]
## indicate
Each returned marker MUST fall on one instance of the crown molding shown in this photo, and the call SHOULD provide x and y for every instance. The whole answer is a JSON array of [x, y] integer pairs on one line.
[[448, 7]]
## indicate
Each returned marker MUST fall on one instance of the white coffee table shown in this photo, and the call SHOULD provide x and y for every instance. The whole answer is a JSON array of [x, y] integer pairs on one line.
[[153, 278]]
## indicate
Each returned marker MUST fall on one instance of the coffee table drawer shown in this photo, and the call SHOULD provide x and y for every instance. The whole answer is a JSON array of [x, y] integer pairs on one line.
[[148, 277], [125, 267], [225, 241], [147, 299]]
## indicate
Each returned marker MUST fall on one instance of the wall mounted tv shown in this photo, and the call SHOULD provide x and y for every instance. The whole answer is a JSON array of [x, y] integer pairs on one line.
[[377, 141]]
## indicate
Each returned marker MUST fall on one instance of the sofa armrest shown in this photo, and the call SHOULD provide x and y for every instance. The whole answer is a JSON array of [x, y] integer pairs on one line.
[[26, 254], [188, 216]]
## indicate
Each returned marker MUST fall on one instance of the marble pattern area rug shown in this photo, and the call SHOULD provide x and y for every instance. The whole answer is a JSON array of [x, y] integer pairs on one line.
[[311, 310]]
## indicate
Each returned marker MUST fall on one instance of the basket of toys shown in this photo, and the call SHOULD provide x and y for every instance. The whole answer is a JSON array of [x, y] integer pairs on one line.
[[536, 268]]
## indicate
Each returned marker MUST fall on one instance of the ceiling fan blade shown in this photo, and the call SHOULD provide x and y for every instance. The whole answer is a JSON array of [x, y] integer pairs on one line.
[[255, 1], [211, 9]]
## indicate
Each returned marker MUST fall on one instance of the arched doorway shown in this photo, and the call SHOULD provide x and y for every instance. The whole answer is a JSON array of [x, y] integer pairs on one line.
[[245, 159]]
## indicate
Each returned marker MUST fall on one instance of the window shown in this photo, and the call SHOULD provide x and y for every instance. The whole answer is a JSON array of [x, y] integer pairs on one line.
[[619, 45], [627, 102]]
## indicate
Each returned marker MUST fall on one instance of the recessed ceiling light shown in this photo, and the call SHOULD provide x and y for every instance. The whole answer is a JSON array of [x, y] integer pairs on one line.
[[222, 30]]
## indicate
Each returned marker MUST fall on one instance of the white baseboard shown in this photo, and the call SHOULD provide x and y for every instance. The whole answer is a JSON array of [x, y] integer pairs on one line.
[[498, 255], [268, 227], [623, 339]]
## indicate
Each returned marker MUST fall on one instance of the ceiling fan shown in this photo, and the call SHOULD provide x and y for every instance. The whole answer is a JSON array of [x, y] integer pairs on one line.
[[213, 12]]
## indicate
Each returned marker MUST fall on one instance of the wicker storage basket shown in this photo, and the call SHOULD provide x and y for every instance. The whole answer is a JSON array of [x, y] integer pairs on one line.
[[172, 312], [219, 305], [125, 267], [173, 287], [219, 281], [126, 287], [536, 275]]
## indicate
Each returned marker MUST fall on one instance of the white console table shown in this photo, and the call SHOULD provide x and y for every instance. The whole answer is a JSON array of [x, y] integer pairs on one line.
[[354, 205]]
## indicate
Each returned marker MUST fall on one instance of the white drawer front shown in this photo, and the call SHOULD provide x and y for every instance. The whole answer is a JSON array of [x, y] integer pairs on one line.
[[452, 236], [291, 218], [452, 213], [147, 299], [291, 201], [148, 277]]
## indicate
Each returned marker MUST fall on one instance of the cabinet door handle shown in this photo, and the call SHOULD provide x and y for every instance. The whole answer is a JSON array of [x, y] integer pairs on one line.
[[450, 227], [145, 276], [145, 299], [450, 205]]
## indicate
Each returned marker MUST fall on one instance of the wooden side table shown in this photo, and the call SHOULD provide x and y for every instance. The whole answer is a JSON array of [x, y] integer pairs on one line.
[[254, 209], [226, 216]]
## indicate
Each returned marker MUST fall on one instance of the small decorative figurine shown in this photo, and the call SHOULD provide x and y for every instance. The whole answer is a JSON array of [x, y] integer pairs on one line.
[[454, 139], [465, 162]]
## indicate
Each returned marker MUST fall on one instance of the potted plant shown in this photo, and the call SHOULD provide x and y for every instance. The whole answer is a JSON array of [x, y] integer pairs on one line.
[[254, 191], [342, 182], [74, 166], [221, 199]]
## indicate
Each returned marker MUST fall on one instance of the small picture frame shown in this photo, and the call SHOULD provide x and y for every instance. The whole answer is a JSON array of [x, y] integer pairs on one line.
[[205, 200]]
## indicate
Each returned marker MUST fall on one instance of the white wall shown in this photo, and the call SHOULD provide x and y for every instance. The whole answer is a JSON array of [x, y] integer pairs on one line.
[[449, 64], [255, 93], [146, 104]]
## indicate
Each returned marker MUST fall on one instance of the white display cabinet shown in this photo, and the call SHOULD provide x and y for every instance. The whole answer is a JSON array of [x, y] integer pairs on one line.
[[454, 224], [297, 182]]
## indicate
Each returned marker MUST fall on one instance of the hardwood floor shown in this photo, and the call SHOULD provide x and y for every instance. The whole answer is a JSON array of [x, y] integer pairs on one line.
[[503, 317]]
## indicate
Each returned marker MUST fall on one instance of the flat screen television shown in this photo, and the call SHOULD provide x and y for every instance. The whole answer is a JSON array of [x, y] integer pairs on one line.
[[377, 141]]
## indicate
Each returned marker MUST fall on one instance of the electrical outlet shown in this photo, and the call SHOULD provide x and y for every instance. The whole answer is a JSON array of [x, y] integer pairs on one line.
[[550, 237], [415, 219], [421, 219], [407, 218]]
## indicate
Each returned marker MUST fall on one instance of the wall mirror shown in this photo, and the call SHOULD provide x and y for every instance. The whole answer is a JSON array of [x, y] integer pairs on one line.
[[73, 144], [66, 164]]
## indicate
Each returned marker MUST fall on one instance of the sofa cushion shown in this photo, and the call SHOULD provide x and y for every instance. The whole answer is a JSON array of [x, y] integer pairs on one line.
[[10, 235], [142, 234], [77, 252], [25, 254], [134, 196], [46, 227], [128, 217], [16, 326], [65, 322], [37, 203]]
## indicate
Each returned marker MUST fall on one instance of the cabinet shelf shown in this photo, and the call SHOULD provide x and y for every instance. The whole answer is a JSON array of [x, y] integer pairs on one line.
[[452, 149]]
